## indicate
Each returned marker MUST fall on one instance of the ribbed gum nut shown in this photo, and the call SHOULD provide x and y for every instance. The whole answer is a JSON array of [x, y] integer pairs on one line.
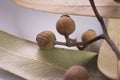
[[65, 25], [88, 35], [45, 40], [76, 73]]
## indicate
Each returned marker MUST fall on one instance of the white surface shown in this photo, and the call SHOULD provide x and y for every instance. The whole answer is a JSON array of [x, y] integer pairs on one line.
[[27, 23]]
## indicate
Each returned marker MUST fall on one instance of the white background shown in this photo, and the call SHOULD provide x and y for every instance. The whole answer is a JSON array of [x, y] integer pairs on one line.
[[27, 23]]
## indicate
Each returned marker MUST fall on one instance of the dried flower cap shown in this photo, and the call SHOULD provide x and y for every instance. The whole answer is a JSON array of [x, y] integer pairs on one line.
[[65, 25], [45, 40], [76, 73], [88, 35]]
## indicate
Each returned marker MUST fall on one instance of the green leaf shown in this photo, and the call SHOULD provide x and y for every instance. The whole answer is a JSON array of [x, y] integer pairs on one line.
[[25, 59], [107, 60], [106, 8]]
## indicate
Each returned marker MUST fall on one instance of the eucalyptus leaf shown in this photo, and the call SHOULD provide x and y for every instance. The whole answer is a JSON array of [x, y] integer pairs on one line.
[[25, 59], [107, 60], [106, 8]]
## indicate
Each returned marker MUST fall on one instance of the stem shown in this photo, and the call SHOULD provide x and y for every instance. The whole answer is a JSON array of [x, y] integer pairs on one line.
[[67, 40], [100, 19], [60, 43], [113, 46], [80, 45], [70, 44], [90, 42]]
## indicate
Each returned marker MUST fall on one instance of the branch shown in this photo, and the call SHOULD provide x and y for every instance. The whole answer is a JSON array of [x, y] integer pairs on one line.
[[107, 38], [68, 44], [100, 19], [85, 44], [80, 45]]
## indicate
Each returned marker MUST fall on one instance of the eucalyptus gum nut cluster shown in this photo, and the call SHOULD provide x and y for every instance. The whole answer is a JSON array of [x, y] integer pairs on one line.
[[45, 40], [76, 73], [65, 25], [88, 35]]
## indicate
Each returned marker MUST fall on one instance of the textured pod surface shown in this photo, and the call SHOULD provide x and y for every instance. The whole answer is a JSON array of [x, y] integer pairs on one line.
[[46, 40], [88, 35], [76, 73], [65, 25]]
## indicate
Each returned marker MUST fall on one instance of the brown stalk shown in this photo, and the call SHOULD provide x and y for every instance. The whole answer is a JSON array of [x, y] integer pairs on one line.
[[82, 45], [85, 44], [107, 38]]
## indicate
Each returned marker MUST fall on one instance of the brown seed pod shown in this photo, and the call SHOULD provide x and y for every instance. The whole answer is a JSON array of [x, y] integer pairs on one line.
[[76, 73], [88, 35], [45, 40], [65, 25]]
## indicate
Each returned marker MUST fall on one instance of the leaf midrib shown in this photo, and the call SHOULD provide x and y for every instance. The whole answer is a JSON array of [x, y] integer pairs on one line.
[[52, 65]]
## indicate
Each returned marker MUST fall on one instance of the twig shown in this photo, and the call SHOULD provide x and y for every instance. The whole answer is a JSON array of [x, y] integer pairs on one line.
[[85, 44], [100, 19], [80, 45], [68, 44], [67, 40], [107, 38]]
